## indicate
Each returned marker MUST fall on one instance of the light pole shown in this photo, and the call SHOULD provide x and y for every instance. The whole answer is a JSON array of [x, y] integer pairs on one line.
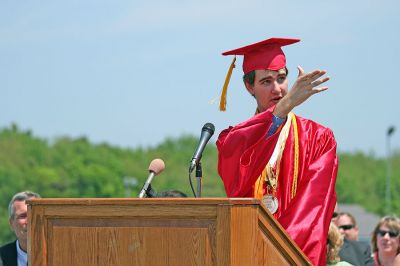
[[129, 182], [388, 199]]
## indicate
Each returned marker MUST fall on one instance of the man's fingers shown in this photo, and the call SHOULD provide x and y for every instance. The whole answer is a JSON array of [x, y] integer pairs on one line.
[[311, 81], [316, 90], [301, 71], [316, 74], [319, 81]]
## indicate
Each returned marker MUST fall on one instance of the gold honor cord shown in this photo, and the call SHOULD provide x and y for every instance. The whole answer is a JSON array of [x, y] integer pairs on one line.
[[222, 100], [296, 156], [267, 171]]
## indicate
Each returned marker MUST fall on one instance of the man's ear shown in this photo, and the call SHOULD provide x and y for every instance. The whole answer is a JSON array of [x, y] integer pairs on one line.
[[249, 87]]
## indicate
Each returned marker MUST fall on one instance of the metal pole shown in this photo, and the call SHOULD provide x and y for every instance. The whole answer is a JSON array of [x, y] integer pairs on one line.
[[199, 176], [129, 182], [388, 198]]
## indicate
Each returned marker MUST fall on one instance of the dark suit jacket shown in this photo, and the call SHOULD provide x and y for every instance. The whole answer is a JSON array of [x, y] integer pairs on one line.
[[356, 253], [8, 254]]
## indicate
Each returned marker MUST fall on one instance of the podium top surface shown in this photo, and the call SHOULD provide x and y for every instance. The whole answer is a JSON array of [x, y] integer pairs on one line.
[[143, 201]]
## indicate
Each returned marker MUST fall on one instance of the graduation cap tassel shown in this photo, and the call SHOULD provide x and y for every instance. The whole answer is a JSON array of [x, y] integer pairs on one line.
[[222, 101]]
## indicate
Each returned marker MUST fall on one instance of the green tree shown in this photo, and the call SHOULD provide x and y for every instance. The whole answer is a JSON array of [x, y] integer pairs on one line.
[[75, 167]]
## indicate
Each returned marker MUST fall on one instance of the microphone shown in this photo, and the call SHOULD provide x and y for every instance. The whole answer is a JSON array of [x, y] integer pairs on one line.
[[206, 132], [156, 166]]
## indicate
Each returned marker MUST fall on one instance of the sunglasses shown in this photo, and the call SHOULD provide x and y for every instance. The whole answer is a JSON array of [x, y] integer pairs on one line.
[[346, 226], [382, 233]]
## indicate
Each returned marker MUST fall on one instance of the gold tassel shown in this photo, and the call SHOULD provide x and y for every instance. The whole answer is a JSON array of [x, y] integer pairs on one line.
[[222, 101]]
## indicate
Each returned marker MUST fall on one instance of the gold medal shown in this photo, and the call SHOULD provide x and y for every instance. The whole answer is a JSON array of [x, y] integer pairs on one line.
[[271, 203]]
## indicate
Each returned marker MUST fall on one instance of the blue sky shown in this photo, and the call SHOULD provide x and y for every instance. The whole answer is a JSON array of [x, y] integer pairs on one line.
[[132, 73]]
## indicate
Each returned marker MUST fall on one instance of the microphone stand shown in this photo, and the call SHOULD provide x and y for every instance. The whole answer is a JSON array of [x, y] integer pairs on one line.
[[199, 174], [150, 193]]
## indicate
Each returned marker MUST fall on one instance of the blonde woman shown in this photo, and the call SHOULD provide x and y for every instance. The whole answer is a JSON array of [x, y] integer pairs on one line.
[[335, 242], [386, 242]]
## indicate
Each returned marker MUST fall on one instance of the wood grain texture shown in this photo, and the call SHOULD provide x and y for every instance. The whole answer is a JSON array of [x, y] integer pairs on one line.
[[156, 232]]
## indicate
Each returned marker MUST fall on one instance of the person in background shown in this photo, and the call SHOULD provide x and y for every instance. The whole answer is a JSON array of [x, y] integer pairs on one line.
[[15, 253], [335, 242], [286, 161], [386, 242], [353, 251], [347, 225], [171, 194]]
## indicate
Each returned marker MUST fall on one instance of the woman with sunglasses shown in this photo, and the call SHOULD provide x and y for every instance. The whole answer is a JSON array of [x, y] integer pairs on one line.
[[386, 242]]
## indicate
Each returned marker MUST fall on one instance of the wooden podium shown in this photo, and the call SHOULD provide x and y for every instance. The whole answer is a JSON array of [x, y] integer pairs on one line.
[[169, 231]]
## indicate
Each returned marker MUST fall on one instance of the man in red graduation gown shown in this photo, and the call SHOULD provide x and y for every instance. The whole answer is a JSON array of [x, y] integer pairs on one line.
[[287, 161]]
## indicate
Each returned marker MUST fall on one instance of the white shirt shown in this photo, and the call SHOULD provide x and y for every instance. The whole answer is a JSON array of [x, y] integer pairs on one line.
[[22, 256]]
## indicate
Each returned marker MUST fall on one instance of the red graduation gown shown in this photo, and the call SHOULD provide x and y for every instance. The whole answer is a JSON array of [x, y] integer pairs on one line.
[[244, 151]]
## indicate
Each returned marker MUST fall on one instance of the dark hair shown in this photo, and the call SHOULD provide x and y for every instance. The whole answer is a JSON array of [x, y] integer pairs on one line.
[[171, 194], [250, 77]]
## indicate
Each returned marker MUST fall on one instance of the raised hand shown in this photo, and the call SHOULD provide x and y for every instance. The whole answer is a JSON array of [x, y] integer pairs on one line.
[[305, 86]]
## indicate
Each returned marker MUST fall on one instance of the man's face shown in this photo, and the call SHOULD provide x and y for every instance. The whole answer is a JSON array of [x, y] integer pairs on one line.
[[347, 227], [19, 222], [269, 87]]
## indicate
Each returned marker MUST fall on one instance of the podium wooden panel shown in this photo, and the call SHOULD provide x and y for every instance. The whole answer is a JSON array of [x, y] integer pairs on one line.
[[206, 231]]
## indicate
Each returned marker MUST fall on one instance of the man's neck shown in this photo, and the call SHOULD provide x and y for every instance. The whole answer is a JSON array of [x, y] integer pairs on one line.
[[22, 246]]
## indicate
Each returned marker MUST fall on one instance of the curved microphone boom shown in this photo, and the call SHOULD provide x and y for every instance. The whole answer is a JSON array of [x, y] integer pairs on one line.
[[156, 166], [206, 132]]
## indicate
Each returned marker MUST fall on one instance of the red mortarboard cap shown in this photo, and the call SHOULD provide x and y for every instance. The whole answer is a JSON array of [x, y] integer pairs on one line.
[[263, 55], [266, 54]]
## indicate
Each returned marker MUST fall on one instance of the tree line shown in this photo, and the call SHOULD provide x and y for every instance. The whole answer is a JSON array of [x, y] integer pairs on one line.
[[77, 168]]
